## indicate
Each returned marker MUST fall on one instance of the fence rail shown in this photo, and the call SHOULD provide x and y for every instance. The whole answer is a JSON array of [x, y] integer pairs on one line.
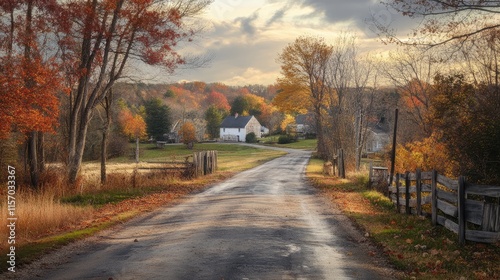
[[204, 162], [471, 211]]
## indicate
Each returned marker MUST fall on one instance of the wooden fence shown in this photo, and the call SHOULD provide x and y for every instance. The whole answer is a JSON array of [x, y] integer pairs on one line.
[[204, 162], [337, 166], [471, 211]]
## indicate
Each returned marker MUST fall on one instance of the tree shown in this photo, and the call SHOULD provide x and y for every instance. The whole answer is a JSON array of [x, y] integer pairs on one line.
[[443, 21], [157, 118], [350, 98], [240, 105], [467, 119], [133, 126], [213, 116], [412, 72], [219, 100], [100, 40], [304, 72], [188, 134], [29, 77]]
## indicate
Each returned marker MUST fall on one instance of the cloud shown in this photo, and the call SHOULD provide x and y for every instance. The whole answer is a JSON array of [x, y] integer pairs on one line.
[[278, 15], [360, 13], [247, 24]]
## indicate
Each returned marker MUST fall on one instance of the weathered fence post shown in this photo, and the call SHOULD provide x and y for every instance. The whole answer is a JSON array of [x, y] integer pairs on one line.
[[419, 191], [461, 210], [398, 184], [342, 174], [370, 175], [407, 193], [434, 197]]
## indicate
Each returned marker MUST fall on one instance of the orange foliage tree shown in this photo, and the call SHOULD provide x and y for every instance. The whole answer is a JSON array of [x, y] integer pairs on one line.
[[188, 134], [29, 77], [218, 100], [133, 126], [303, 82], [427, 154]]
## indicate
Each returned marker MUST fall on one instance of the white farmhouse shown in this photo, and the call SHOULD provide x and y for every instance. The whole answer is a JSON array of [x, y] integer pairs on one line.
[[235, 128]]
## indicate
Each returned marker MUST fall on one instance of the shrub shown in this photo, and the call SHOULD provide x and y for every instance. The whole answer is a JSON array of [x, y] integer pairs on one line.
[[285, 139], [251, 138]]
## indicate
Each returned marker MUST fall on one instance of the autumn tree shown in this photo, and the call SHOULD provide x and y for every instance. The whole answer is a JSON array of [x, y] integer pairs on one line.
[[134, 127], [29, 77], [303, 81], [157, 118], [219, 100], [98, 39], [467, 119], [443, 21], [188, 134], [412, 72]]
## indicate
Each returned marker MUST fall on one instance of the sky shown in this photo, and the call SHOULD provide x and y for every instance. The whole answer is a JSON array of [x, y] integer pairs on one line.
[[244, 38]]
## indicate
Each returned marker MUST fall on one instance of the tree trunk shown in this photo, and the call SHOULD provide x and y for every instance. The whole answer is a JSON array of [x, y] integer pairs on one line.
[[76, 154], [40, 151], [104, 152], [322, 151], [32, 159], [137, 150], [105, 133]]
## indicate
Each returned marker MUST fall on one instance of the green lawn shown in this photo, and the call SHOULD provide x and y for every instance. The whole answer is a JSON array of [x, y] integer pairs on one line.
[[175, 152], [305, 144]]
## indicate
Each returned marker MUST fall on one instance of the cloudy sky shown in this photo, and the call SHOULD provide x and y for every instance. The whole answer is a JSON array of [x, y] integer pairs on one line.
[[244, 38]]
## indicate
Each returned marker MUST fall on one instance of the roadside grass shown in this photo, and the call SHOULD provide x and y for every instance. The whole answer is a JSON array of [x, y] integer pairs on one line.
[[59, 214], [411, 243]]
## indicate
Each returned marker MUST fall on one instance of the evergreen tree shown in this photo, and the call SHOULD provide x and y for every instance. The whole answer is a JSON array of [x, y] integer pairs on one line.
[[157, 118], [213, 116]]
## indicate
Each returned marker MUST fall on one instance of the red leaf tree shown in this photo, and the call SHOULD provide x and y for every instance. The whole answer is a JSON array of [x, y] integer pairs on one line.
[[29, 77], [98, 39]]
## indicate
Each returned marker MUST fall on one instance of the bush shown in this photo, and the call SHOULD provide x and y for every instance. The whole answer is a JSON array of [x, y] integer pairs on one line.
[[285, 139], [251, 138]]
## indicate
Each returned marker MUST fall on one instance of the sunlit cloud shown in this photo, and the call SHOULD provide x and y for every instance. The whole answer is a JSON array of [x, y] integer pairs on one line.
[[244, 38]]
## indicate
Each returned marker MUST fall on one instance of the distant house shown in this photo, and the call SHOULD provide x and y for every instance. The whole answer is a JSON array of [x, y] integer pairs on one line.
[[235, 128], [378, 137], [303, 126], [264, 131], [305, 123]]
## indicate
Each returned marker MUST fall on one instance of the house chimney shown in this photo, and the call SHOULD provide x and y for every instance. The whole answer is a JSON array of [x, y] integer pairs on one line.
[[236, 115]]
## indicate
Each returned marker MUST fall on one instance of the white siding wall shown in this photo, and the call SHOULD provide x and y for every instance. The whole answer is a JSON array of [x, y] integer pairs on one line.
[[231, 134]]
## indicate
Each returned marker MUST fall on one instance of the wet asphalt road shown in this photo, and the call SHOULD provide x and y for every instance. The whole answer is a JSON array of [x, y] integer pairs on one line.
[[265, 223]]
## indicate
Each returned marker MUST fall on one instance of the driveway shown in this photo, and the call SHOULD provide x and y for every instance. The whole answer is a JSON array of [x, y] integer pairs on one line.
[[264, 223]]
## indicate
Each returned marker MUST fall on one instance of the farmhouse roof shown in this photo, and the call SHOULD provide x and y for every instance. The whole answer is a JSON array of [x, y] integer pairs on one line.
[[236, 121]]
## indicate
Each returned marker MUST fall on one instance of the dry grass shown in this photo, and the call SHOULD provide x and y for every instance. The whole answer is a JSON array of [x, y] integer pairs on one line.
[[39, 214]]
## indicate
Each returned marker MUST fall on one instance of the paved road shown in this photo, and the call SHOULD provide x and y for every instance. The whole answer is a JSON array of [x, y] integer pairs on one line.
[[265, 223]]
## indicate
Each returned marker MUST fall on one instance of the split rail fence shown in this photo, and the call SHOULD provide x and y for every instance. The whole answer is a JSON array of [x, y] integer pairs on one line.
[[204, 163], [471, 211]]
